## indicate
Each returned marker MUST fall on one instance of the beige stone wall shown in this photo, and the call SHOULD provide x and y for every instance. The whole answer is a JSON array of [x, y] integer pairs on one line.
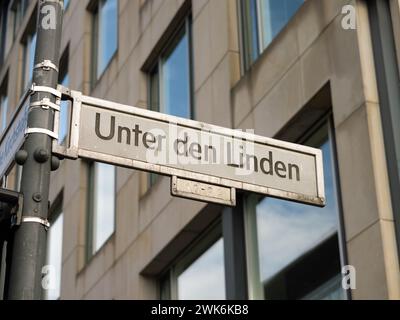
[[310, 52]]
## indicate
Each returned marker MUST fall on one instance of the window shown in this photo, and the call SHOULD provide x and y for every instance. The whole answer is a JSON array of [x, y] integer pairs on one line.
[[262, 20], [105, 35], [66, 4], [3, 108], [29, 60], [4, 29], [54, 254], [102, 205], [19, 9], [200, 274], [170, 80], [65, 105], [295, 248]]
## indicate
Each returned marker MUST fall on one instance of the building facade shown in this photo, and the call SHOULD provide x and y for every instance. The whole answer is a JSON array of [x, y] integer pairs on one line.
[[317, 72]]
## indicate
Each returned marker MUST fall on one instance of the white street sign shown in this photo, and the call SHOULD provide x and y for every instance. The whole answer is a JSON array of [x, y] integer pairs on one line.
[[136, 138], [14, 136]]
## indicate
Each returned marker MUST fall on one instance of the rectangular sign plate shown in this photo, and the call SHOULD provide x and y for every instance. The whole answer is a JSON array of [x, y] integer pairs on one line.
[[14, 136], [203, 191], [136, 138]]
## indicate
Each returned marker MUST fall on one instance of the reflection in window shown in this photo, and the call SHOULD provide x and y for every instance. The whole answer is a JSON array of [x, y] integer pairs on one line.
[[170, 81], [175, 80], [64, 115], [200, 272], [54, 256], [298, 251], [29, 60], [262, 20], [170, 89], [3, 112], [275, 14], [106, 34], [205, 277], [4, 28], [19, 9], [102, 204]]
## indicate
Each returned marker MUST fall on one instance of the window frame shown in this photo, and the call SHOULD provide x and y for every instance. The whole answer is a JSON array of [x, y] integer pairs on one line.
[[90, 252], [255, 288]]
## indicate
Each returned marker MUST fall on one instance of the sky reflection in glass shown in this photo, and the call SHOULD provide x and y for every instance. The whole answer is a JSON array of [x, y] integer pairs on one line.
[[104, 203], [64, 114], [54, 257], [30, 58], [204, 279], [108, 33], [275, 14], [176, 81], [3, 113], [286, 230]]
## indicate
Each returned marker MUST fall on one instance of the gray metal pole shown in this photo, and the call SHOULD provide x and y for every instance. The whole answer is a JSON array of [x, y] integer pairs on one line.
[[29, 250]]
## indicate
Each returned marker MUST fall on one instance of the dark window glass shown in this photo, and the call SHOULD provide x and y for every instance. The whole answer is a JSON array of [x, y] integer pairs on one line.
[[298, 251]]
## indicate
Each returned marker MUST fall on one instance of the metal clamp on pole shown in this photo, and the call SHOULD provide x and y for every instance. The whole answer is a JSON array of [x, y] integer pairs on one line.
[[45, 104], [50, 90], [43, 222], [46, 65], [42, 130]]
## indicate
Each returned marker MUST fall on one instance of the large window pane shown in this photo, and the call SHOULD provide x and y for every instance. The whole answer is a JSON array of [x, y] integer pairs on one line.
[[103, 204], [3, 113], [64, 115], [29, 59], [54, 257], [176, 80], [205, 277], [4, 21], [107, 33], [262, 20], [275, 14], [170, 80], [250, 30], [293, 238]]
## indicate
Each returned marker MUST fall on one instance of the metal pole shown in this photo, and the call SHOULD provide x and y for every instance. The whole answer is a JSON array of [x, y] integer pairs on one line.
[[29, 250]]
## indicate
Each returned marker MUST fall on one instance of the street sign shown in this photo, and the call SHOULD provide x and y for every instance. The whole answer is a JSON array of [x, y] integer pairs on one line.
[[141, 139], [14, 135]]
